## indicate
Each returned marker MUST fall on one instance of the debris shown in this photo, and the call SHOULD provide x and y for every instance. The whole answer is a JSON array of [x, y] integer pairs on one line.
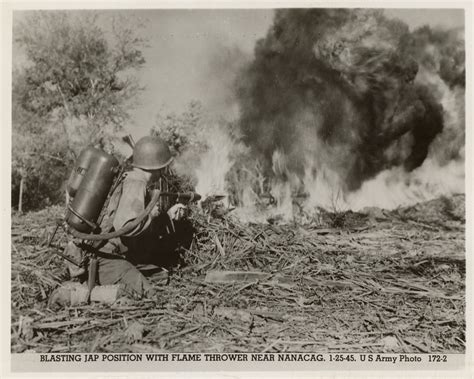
[[143, 348], [134, 332], [25, 328], [60, 324], [245, 277], [419, 346], [288, 287], [235, 276], [390, 343], [233, 314], [375, 213]]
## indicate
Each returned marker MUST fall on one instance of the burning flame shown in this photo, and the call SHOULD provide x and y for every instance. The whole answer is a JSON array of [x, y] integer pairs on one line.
[[215, 163], [320, 149]]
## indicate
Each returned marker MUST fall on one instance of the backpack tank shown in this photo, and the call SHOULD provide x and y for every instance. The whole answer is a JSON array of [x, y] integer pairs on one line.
[[82, 164], [91, 188]]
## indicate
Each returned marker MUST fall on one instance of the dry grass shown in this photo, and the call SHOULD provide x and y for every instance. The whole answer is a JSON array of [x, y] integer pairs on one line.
[[382, 282]]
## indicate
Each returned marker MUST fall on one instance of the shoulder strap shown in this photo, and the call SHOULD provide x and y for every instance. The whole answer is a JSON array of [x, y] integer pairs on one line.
[[107, 222]]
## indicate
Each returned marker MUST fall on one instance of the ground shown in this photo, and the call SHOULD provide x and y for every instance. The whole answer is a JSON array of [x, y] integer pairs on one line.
[[377, 281]]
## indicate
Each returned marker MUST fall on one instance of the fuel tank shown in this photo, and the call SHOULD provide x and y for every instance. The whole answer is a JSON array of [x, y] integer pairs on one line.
[[80, 168], [90, 196]]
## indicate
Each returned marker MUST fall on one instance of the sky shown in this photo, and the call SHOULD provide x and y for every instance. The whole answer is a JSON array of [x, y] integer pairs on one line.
[[184, 44], [193, 53]]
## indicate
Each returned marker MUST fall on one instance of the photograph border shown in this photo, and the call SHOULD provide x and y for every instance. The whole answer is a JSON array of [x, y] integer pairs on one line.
[[6, 16]]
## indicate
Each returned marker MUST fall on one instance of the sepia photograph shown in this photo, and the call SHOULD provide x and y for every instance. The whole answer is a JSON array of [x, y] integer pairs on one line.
[[285, 180]]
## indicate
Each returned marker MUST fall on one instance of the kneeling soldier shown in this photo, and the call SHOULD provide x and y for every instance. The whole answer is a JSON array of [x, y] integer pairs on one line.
[[154, 241]]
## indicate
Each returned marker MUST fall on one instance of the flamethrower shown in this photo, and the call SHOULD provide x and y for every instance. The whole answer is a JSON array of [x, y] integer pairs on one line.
[[94, 179], [182, 197]]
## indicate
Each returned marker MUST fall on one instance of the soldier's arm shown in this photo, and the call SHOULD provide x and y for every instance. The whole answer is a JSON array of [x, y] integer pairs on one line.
[[131, 204]]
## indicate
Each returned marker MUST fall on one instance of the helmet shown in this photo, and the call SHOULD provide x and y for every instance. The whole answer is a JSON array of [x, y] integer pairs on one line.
[[151, 153]]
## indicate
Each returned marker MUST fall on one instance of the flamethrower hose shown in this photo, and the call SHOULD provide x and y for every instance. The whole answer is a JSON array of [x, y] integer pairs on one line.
[[129, 227], [132, 225]]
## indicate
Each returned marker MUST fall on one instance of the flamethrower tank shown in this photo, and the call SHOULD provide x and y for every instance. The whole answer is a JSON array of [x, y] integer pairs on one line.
[[82, 164], [93, 189]]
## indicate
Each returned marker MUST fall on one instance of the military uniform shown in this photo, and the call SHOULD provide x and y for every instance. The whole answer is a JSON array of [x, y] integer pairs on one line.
[[153, 241]]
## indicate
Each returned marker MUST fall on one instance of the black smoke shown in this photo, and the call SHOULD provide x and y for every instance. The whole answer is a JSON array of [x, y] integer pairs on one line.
[[338, 88]]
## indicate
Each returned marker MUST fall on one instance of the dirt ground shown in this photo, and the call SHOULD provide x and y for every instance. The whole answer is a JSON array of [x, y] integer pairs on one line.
[[377, 281]]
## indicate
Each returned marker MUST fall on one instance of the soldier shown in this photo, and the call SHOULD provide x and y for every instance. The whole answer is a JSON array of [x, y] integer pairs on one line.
[[152, 242]]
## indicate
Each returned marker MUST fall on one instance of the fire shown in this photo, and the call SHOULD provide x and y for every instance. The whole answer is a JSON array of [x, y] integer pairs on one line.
[[215, 163], [395, 187], [351, 116]]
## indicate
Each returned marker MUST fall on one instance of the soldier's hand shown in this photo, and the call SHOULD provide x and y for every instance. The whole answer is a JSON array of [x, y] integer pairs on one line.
[[177, 212]]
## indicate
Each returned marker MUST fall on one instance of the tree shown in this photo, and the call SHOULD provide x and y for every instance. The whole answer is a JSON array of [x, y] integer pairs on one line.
[[75, 89], [181, 130]]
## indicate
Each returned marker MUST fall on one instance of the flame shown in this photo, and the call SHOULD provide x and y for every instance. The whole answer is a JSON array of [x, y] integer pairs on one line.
[[297, 153], [395, 187], [215, 163], [322, 186]]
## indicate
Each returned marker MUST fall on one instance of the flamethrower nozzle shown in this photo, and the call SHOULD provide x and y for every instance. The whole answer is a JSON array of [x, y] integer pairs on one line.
[[184, 196]]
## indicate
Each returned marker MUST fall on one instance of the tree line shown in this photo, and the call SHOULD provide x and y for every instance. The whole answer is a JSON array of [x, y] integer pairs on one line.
[[76, 85]]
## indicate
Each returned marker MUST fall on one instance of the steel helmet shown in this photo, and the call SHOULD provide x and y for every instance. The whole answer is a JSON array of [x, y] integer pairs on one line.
[[151, 153]]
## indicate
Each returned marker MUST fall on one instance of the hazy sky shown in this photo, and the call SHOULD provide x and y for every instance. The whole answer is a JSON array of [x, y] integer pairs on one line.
[[184, 45]]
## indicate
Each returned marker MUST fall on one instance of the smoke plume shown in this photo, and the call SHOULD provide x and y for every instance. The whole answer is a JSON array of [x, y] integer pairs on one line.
[[339, 89], [352, 104]]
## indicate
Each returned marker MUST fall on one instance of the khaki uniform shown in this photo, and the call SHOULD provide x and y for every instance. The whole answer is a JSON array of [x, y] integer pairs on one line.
[[153, 241]]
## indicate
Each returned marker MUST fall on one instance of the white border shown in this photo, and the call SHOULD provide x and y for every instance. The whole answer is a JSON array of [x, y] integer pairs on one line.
[[5, 166]]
